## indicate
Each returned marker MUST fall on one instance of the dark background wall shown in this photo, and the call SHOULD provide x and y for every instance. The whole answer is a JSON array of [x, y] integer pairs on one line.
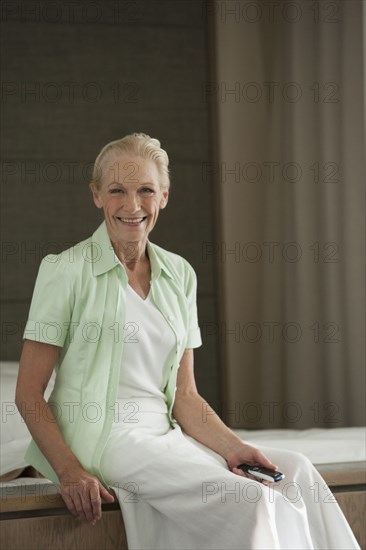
[[77, 75]]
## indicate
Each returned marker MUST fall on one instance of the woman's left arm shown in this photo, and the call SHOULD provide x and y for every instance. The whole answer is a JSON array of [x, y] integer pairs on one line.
[[200, 421]]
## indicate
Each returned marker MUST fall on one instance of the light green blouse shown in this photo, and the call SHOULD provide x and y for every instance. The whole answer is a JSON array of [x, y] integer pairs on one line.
[[78, 304]]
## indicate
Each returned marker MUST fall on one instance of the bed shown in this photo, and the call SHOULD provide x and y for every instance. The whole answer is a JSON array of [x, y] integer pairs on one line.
[[34, 516]]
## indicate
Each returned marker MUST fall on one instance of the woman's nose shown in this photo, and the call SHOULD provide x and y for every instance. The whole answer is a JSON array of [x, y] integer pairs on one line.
[[132, 203]]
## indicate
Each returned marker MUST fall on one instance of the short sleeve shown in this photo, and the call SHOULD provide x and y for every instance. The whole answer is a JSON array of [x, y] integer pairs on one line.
[[52, 303], [194, 339]]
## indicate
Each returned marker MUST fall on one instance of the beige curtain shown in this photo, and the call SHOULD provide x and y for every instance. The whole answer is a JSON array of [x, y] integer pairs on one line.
[[288, 92]]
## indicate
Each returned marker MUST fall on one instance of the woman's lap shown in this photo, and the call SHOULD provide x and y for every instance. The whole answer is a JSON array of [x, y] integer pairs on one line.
[[176, 464], [176, 479], [138, 449]]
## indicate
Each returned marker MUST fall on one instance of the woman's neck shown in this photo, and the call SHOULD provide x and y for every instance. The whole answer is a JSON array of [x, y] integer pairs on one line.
[[132, 254]]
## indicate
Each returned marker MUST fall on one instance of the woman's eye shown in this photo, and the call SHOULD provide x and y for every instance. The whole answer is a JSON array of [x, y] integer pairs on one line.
[[147, 190], [116, 190]]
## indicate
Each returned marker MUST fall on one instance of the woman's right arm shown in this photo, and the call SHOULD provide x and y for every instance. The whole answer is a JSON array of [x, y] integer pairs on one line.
[[82, 492]]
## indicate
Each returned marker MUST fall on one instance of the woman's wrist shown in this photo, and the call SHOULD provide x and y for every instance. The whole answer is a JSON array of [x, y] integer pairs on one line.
[[68, 467], [233, 449]]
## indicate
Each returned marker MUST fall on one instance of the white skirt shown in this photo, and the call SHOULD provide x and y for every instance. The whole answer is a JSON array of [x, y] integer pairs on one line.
[[176, 493]]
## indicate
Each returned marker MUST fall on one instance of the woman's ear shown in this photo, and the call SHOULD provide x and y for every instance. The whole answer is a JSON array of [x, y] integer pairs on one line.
[[96, 197], [164, 199]]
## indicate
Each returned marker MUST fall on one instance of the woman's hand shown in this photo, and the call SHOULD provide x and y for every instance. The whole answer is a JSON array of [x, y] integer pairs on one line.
[[244, 453], [83, 494]]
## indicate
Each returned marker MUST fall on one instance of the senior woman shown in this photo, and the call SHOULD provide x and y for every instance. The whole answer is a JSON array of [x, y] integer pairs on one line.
[[116, 317]]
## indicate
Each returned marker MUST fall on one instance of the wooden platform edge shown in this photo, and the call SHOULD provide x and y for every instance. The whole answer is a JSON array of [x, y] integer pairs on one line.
[[27, 500]]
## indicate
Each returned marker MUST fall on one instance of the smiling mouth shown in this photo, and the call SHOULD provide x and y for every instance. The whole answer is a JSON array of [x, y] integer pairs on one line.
[[131, 221]]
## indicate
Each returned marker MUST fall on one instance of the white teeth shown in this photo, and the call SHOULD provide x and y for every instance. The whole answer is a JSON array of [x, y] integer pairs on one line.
[[131, 220]]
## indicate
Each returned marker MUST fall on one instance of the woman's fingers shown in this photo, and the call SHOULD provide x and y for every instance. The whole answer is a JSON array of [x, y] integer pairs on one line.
[[261, 459], [246, 453], [96, 503], [74, 501], [105, 495], [81, 507], [240, 472], [83, 499], [69, 503]]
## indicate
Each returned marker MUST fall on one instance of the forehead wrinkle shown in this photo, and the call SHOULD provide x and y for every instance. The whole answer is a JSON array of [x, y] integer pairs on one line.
[[141, 175]]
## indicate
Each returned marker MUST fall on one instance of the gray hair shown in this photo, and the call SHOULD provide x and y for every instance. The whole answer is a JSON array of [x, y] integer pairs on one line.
[[137, 144]]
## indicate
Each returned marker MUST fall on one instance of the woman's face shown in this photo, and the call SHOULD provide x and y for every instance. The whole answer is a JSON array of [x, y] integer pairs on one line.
[[131, 198]]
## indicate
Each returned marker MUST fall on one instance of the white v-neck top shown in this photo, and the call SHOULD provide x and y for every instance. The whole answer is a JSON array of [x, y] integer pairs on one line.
[[149, 342]]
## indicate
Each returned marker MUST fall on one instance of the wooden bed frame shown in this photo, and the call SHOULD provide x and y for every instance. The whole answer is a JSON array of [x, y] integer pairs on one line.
[[37, 519]]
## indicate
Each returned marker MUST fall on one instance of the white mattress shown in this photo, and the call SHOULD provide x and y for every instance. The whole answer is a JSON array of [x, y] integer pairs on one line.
[[319, 445], [22, 481]]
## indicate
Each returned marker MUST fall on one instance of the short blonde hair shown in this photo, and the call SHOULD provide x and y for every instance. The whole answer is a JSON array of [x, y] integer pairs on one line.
[[137, 144]]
